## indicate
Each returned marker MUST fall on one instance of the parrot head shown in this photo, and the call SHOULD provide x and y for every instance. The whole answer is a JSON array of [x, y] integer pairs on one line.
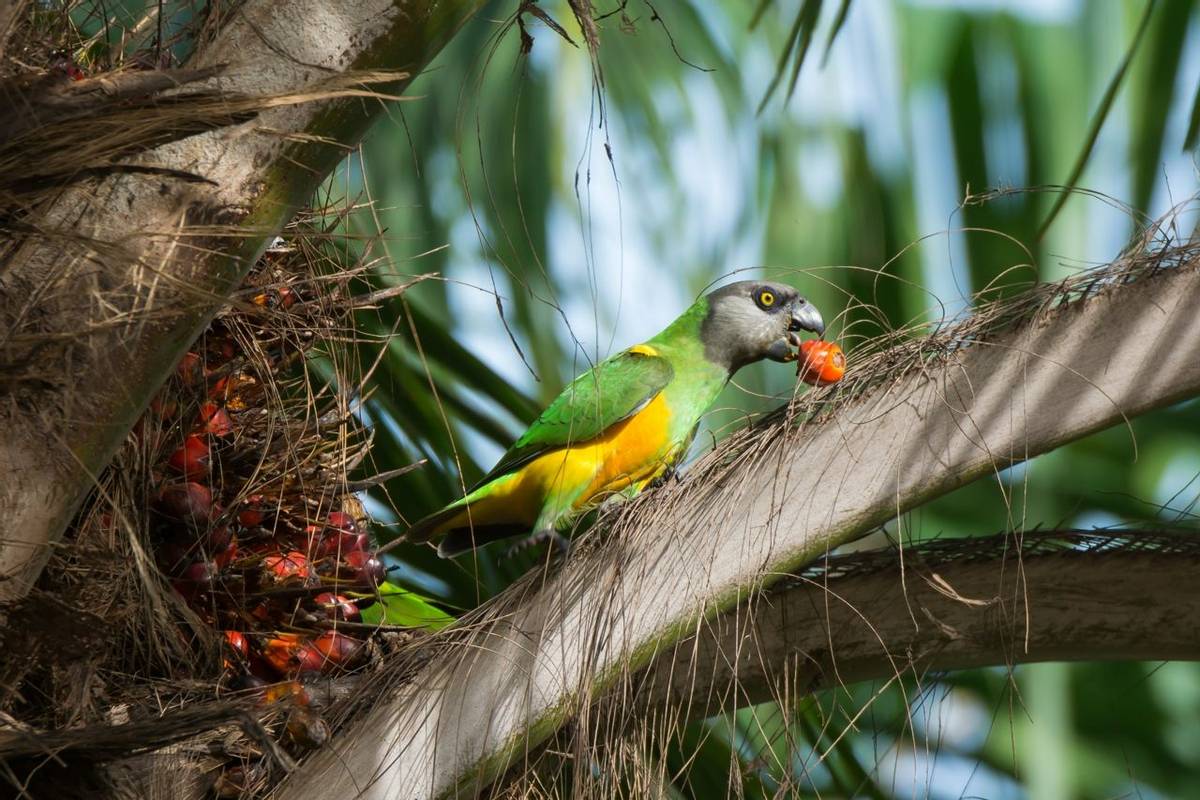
[[748, 321]]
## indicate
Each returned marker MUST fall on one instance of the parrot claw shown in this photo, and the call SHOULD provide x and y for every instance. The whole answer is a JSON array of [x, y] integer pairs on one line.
[[669, 475], [540, 537]]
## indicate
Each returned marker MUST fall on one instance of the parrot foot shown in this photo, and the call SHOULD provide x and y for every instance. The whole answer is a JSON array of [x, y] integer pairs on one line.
[[670, 475], [562, 543]]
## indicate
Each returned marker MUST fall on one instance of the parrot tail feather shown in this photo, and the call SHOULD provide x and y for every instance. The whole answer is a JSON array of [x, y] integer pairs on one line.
[[461, 540], [459, 532], [429, 527]]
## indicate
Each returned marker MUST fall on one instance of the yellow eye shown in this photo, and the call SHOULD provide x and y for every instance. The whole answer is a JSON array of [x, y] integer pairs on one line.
[[766, 298]]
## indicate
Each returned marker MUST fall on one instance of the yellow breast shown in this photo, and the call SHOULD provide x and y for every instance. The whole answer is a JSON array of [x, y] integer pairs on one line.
[[568, 480], [631, 451], [628, 453]]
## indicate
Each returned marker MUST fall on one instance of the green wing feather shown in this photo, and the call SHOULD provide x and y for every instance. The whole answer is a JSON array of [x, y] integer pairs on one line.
[[612, 391]]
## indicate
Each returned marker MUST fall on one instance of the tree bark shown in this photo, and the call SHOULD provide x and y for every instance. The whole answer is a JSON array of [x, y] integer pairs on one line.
[[1056, 596], [686, 553], [121, 276]]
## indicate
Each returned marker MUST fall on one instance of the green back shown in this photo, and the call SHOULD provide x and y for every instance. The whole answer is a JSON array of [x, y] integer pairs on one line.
[[612, 391]]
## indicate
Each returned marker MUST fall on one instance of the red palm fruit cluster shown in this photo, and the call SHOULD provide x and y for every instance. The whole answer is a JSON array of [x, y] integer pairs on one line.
[[280, 575], [252, 529], [248, 520], [253, 570]]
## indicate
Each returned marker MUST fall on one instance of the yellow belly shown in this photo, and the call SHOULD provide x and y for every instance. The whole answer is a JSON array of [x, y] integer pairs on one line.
[[630, 452], [577, 477]]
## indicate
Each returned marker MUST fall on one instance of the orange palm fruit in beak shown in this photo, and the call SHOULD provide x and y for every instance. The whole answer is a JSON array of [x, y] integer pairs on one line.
[[820, 363]]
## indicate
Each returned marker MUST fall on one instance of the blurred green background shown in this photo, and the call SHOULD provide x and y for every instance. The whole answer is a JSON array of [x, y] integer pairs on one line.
[[592, 215]]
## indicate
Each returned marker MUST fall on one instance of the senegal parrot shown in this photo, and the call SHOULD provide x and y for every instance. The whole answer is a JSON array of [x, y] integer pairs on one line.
[[624, 422]]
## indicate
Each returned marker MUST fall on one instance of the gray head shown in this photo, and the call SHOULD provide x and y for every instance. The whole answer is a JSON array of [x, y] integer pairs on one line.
[[748, 321]]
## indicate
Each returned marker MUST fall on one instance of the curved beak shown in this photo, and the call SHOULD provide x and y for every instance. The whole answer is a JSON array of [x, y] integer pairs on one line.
[[805, 317]]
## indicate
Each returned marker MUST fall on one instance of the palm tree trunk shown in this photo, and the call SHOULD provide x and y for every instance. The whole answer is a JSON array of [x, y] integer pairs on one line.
[[117, 278], [953, 605]]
